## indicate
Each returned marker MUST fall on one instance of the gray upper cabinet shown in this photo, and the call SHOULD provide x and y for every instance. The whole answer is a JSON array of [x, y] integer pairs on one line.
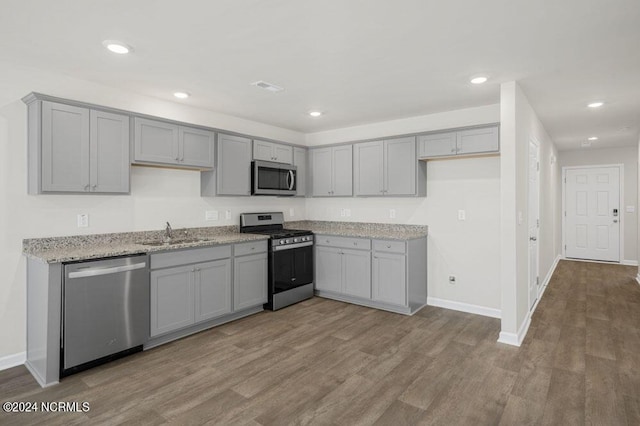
[[76, 149], [300, 161], [476, 141], [234, 165], [332, 171], [270, 151], [109, 163], [481, 140], [386, 167], [158, 142]]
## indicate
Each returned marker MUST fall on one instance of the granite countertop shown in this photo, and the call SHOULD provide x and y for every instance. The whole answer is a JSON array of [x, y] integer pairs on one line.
[[85, 247], [385, 231]]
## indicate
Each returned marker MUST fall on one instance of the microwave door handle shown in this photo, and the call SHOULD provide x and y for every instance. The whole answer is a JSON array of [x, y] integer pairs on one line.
[[293, 180]]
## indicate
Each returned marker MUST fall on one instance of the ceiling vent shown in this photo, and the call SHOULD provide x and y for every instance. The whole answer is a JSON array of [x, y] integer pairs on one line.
[[267, 86]]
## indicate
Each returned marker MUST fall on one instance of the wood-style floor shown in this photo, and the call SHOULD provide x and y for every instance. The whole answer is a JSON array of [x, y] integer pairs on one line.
[[326, 362]]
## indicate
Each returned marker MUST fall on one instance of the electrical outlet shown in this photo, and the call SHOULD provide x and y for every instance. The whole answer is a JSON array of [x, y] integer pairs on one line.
[[83, 220], [227, 214], [392, 213], [211, 215], [343, 212], [292, 212], [462, 215], [347, 212], [452, 279]]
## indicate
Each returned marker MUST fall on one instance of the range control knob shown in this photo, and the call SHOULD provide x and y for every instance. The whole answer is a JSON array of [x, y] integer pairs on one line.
[[281, 242], [288, 241], [295, 240]]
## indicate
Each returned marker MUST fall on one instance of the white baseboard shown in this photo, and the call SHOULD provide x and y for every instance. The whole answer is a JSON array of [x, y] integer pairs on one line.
[[515, 339], [14, 360], [464, 307], [629, 262]]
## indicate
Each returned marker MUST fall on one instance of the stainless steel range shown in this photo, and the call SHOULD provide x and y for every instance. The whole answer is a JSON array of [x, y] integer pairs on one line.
[[290, 258]]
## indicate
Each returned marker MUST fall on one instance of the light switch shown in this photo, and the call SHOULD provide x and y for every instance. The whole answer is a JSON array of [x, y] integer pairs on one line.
[[462, 215], [227, 214], [347, 212], [392, 213], [211, 215], [631, 209], [83, 220]]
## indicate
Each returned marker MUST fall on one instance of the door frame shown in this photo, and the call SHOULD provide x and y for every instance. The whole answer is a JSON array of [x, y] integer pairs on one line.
[[532, 304], [621, 209]]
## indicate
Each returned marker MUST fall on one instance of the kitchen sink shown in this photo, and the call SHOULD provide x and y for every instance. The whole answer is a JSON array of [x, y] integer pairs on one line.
[[170, 242]]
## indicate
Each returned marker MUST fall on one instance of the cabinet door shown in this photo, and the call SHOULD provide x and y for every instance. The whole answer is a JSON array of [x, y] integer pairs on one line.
[[342, 170], [400, 166], [283, 153], [476, 141], [321, 162], [109, 152], [368, 168], [389, 278], [234, 165], [328, 269], [437, 145], [250, 281], [212, 289], [300, 161], [196, 147], [357, 273], [171, 299], [263, 150], [65, 148], [155, 141]]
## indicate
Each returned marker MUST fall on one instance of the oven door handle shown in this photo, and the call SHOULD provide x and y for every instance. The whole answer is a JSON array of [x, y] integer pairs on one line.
[[293, 246], [291, 179]]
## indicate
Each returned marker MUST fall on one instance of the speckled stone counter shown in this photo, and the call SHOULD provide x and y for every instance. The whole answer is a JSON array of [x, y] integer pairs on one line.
[[83, 247], [362, 229]]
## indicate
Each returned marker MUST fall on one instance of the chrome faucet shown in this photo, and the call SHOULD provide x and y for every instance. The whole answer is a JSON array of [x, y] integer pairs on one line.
[[168, 232]]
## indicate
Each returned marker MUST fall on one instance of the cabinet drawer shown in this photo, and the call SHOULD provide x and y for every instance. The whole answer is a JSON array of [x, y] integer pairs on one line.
[[175, 258], [343, 242], [252, 247], [390, 246]]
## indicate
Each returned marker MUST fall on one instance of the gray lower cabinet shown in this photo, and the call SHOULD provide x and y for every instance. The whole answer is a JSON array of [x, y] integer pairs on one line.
[[332, 171], [188, 287], [480, 140], [250, 281], [389, 167], [233, 168], [163, 143], [76, 149], [385, 274]]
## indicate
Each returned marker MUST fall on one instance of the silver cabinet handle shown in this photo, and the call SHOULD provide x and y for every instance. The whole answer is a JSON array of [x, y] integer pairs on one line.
[[292, 177], [453, 150], [106, 271], [533, 239], [86, 187], [615, 220], [94, 187]]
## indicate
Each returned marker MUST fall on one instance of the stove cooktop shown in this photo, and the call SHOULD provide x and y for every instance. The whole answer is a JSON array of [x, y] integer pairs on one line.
[[282, 233]]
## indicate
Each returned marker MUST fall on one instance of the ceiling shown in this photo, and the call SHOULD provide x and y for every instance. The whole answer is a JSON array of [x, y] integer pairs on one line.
[[360, 61]]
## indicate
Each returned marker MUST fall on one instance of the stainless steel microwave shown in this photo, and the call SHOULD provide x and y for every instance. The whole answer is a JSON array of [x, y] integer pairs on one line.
[[269, 178]]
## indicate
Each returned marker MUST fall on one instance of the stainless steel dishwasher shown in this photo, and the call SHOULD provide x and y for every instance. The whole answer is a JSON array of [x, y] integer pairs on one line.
[[105, 311]]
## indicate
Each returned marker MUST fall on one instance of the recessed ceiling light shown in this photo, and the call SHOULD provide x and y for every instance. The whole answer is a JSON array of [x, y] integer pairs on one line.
[[593, 138], [315, 113], [479, 80], [595, 104], [117, 46], [181, 95]]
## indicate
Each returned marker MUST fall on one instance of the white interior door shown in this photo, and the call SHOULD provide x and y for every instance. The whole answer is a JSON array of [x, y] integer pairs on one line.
[[592, 210], [534, 221]]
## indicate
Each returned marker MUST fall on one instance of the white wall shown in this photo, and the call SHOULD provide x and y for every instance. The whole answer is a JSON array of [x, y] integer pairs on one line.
[[157, 195], [519, 124], [467, 249], [629, 158]]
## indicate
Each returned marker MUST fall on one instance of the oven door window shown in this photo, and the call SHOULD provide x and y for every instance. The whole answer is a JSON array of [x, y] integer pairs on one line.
[[292, 268]]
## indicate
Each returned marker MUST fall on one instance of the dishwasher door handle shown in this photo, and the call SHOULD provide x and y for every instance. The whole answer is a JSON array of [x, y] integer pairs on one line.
[[106, 271]]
